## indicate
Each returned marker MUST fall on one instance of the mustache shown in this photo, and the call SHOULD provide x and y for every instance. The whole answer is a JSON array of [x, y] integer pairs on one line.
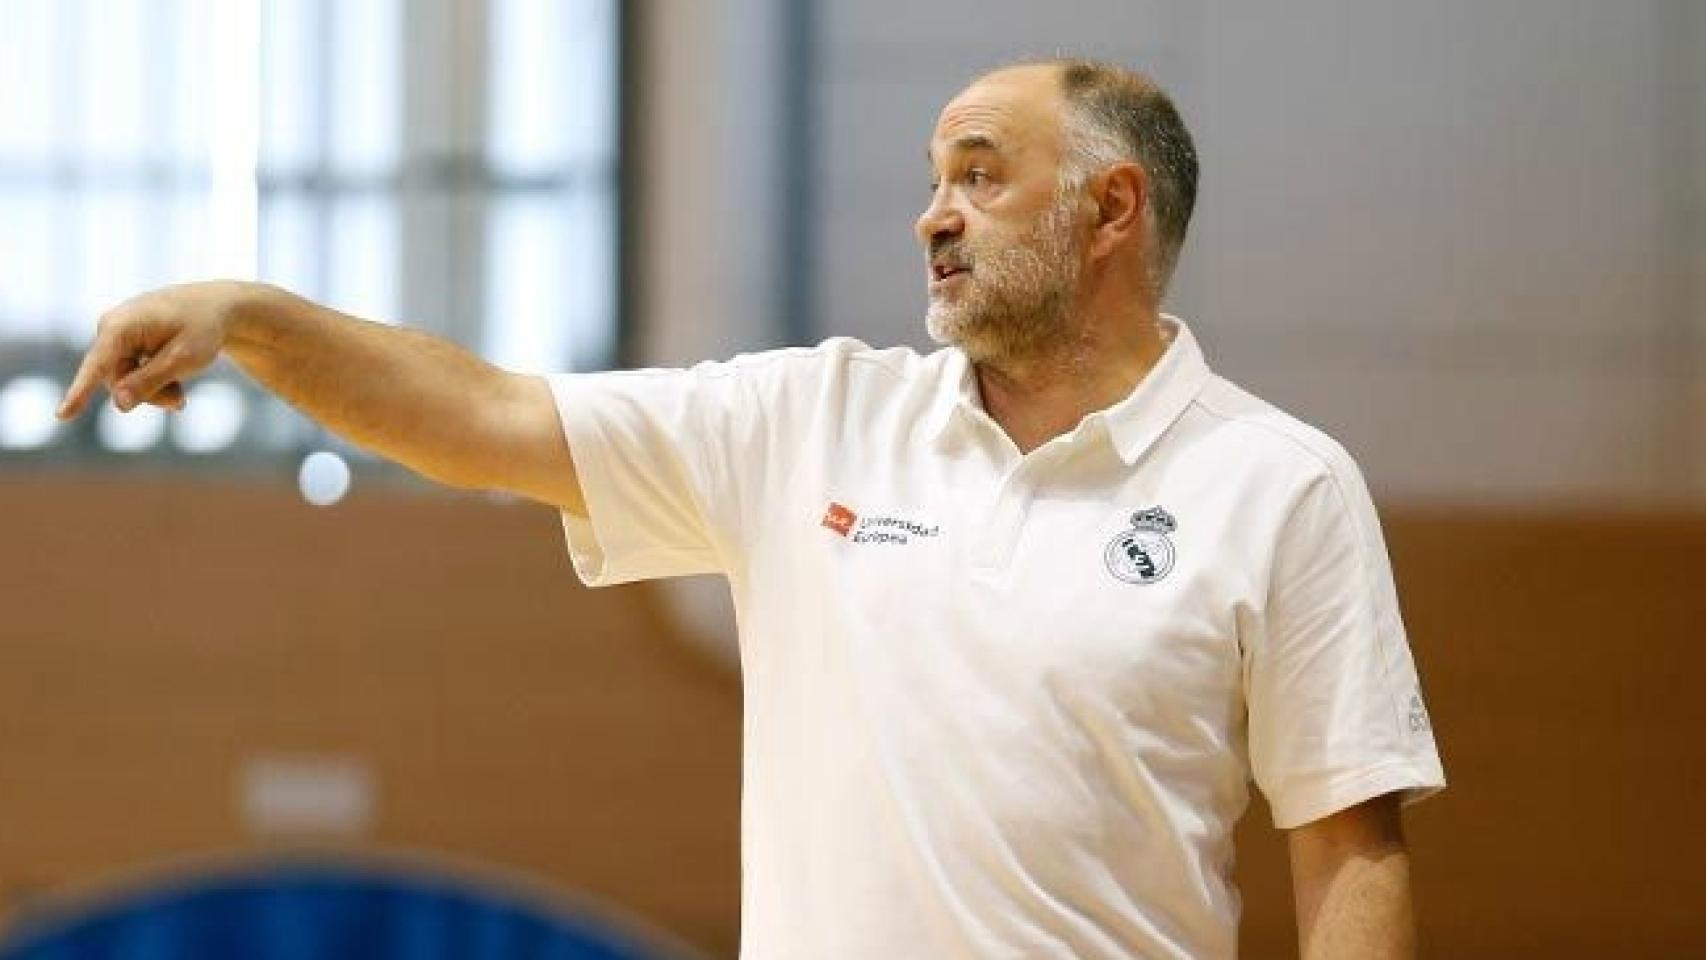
[[953, 251]]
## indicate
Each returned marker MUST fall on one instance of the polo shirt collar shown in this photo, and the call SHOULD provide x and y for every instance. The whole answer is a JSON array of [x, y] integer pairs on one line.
[[1132, 424], [956, 396]]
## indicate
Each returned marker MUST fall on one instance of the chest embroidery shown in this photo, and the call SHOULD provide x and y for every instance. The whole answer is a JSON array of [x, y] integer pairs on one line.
[[876, 528], [839, 519], [1142, 554]]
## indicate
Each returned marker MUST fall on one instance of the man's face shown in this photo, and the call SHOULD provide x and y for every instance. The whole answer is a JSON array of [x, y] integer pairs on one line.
[[1001, 241]]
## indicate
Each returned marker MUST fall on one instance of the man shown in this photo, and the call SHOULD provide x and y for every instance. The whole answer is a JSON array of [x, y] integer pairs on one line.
[[1019, 619]]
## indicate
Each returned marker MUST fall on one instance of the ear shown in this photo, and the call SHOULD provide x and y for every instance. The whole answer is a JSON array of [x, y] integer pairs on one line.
[[1120, 193]]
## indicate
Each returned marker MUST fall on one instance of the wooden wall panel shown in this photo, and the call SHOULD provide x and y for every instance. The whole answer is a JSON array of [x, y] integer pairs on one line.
[[157, 632]]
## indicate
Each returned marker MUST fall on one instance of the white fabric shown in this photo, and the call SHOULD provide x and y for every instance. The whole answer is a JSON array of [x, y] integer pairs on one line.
[[966, 734]]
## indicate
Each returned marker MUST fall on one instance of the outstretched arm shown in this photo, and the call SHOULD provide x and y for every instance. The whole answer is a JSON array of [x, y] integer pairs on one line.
[[408, 396], [1350, 876]]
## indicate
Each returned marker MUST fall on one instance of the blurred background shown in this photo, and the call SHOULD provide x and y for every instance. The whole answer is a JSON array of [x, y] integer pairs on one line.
[[1466, 238]]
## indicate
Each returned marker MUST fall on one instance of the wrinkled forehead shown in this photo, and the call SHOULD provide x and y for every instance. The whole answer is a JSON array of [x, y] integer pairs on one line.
[[1013, 111]]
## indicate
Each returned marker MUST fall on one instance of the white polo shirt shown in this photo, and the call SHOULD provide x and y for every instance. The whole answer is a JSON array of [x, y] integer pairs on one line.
[[1003, 705]]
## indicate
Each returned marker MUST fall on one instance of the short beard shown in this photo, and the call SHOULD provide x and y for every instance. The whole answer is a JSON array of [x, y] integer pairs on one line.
[[1018, 302]]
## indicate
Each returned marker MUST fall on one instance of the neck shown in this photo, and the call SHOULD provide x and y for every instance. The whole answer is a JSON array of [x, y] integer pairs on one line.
[[1045, 393]]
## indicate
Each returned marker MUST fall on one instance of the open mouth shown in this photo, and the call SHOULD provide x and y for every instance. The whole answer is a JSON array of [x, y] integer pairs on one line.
[[940, 272]]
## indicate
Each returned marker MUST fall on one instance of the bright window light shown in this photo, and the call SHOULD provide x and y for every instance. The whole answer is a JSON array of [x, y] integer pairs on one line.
[[324, 478], [233, 140], [361, 154], [133, 432], [212, 418], [27, 406]]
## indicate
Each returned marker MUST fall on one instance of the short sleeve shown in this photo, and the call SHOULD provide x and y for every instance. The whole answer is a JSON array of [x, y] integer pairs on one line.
[[1336, 714], [654, 451]]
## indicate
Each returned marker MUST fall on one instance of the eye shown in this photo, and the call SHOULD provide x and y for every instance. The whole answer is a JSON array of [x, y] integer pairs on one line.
[[977, 176]]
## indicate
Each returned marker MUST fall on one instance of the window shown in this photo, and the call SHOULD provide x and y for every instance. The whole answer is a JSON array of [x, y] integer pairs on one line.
[[451, 163]]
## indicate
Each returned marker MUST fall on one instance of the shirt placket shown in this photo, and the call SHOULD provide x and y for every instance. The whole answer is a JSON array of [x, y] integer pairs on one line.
[[998, 539]]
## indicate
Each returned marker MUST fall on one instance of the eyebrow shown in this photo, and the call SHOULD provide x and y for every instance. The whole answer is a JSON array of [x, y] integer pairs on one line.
[[966, 142]]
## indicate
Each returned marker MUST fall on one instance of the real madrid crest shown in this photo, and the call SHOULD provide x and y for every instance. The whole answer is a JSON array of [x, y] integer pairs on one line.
[[1143, 554]]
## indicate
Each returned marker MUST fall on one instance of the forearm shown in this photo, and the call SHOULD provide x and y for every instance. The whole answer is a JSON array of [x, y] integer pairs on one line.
[[403, 394], [1362, 911]]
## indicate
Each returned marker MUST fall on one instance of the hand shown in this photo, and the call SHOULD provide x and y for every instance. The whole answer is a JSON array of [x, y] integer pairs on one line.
[[146, 347]]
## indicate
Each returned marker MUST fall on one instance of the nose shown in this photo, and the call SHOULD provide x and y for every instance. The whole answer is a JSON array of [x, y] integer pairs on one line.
[[941, 220]]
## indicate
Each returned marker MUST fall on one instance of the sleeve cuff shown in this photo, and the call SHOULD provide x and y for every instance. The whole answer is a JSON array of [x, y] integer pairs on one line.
[[603, 552], [1312, 798], [581, 433]]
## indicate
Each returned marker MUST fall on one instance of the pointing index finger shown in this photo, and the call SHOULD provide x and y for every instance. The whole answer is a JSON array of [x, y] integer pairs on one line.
[[90, 373]]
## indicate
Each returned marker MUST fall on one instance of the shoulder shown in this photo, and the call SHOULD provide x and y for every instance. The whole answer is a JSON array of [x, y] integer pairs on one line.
[[1273, 438], [1302, 480], [835, 353], [840, 366]]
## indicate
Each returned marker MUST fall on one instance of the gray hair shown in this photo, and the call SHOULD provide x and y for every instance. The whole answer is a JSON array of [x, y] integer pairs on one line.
[[1115, 115]]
